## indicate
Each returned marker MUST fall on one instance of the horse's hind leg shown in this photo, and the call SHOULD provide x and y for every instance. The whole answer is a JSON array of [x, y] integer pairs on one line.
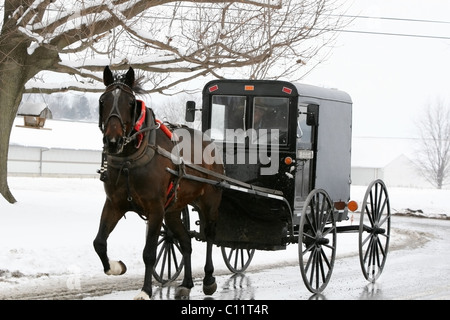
[[154, 223], [174, 223], [209, 213], [209, 281], [108, 222]]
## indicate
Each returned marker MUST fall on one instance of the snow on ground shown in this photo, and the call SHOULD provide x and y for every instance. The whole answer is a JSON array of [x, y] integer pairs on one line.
[[49, 231]]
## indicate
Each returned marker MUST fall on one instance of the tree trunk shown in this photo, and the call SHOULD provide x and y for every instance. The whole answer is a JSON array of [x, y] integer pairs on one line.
[[10, 96], [16, 68]]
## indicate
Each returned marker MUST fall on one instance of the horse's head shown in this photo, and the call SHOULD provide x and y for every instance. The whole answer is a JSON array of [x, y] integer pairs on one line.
[[117, 110]]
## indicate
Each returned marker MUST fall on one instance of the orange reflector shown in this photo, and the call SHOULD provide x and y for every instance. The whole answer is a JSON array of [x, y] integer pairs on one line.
[[352, 206], [288, 160], [249, 88]]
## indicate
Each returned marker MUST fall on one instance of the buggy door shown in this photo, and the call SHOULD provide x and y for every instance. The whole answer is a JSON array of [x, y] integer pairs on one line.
[[250, 122], [306, 151]]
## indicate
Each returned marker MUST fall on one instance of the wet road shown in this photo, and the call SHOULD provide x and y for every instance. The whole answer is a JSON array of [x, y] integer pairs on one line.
[[417, 268]]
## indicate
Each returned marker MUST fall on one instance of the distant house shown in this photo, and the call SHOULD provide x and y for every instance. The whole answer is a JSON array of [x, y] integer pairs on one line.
[[34, 114], [389, 159]]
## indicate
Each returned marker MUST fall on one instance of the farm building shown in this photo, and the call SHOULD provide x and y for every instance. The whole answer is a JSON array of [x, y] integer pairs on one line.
[[389, 159]]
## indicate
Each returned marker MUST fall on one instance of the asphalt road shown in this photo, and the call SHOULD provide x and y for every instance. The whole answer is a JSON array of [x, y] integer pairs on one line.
[[416, 268]]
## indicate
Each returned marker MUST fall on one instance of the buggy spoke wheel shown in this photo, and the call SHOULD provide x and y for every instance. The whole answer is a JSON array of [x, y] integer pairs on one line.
[[237, 260], [169, 258], [374, 230], [317, 241]]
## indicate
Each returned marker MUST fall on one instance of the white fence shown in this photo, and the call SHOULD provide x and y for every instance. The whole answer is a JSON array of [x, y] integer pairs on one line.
[[41, 161]]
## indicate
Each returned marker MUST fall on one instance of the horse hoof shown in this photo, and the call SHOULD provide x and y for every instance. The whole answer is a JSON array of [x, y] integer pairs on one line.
[[182, 293], [210, 288], [142, 296], [116, 268]]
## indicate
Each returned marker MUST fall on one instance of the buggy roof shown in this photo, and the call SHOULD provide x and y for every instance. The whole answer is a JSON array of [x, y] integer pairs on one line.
[[308, 92]]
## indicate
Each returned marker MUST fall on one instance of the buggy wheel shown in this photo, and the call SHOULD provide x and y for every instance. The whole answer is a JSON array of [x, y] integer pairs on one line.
[[317, 240], [374, 230], [237, 260], [169, 258]]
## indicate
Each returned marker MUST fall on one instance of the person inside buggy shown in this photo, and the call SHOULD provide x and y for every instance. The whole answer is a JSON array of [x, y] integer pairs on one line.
[[270, 120], [267, 118]]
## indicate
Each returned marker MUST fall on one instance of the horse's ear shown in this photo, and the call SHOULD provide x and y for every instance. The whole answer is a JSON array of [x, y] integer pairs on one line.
[[129, 77], [108, 77]]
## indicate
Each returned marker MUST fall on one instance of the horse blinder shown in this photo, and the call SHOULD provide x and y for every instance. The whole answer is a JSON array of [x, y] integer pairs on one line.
[[116, 144]]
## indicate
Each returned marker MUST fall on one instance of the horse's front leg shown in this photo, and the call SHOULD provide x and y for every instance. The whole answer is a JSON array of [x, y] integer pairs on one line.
[[154, 224], [108, 221]]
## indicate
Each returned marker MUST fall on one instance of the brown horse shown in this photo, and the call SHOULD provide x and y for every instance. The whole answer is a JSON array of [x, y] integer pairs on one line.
[[136, 159]]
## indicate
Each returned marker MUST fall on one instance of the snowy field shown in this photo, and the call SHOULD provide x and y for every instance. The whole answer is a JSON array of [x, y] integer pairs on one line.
[[49, 231]]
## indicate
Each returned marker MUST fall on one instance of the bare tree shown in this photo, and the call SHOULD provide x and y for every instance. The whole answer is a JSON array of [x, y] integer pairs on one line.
[[169, 109], [433, 159], [173, 42]]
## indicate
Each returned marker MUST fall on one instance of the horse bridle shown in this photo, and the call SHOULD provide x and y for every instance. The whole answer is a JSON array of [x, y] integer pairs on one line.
[[115, 112], [136, 125]]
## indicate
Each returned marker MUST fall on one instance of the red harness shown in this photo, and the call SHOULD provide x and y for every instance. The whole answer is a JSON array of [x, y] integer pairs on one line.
[[170, 193], [139, 122], [164, 129]]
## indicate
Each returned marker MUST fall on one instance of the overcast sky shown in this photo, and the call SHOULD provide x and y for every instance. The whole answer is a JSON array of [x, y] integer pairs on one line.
[[390, 78]]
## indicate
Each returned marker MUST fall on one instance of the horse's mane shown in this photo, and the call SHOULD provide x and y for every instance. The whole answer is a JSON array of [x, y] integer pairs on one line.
[[138, 85]]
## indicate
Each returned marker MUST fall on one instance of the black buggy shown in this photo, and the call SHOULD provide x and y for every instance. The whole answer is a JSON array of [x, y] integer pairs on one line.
[[286, 148]]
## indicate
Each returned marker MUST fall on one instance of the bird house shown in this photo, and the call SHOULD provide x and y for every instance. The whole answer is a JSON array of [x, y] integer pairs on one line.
[[34, 114]]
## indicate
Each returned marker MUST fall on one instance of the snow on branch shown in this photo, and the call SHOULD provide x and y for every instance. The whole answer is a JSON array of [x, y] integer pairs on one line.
[[176, 39]]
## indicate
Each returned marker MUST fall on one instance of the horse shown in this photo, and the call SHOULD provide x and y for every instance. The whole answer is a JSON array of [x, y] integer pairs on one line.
[[135, 172]]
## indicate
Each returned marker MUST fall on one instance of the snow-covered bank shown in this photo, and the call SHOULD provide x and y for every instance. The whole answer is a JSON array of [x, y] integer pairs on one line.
[[428, 203]]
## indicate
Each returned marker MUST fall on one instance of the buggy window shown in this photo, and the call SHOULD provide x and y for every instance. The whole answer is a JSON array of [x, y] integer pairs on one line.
[[270, 119], [227, 115], [303, 130]]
